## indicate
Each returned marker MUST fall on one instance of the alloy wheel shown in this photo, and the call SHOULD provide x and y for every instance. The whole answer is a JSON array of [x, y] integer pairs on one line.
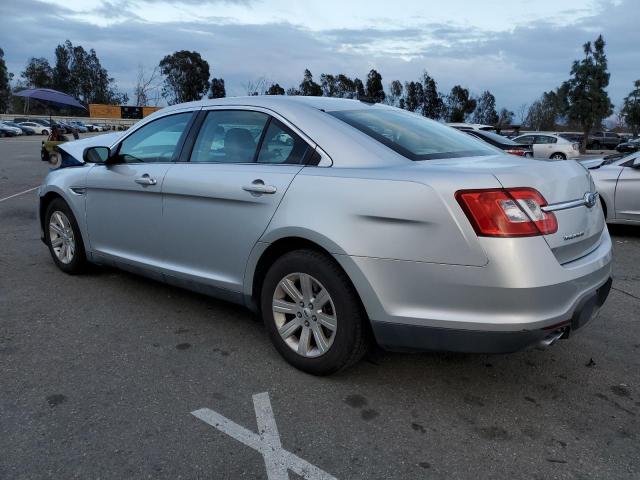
[[304, 314], [61, 237]]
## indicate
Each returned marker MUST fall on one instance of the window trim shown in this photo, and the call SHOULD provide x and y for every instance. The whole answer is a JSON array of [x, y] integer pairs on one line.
[[326, 160], [181, 142], [306, 158], [187, 150]]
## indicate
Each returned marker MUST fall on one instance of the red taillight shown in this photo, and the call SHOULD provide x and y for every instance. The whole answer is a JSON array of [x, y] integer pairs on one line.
[[512, 212], [519, 153]]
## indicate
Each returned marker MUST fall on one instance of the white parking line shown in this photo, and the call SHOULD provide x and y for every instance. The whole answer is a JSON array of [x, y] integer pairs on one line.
[[18, 194], [267, 441]]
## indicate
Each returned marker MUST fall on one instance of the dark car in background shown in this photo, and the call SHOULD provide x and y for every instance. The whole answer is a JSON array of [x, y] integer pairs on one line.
[[608, 140], [78, 125], [63, 126], [7, 132], [629, 146], [503, 143], [25, 130]]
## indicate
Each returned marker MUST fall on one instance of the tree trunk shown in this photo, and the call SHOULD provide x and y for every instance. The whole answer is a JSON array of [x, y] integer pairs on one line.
[[585, 140]]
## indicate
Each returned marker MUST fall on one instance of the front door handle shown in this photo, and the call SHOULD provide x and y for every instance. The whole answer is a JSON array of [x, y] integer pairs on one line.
[[146, 180], [258, 187]]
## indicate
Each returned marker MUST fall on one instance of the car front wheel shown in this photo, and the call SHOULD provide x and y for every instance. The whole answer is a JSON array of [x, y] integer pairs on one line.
[[62, 236], [312, 313], [558, 156]]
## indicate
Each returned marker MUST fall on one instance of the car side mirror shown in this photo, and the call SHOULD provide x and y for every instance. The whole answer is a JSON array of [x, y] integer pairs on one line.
[[96, 154]]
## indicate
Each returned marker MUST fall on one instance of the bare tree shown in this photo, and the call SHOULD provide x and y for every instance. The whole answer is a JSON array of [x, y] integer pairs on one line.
[[147, 89], [522, 113], [257, 87]]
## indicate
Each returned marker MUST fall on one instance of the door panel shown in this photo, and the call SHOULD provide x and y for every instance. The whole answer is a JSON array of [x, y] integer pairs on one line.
[[211, 221], [123, 216], [124, 197], [628, 195]]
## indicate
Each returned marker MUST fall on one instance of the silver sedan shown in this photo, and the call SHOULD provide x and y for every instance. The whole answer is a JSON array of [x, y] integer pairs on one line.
[[618, 183], [341, 223]]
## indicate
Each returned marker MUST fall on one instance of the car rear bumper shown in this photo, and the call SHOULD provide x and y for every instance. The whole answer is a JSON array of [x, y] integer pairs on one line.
[[402, 337], [521, 296]]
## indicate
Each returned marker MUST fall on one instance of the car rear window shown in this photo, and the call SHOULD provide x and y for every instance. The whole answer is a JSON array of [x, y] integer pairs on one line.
[[499, 139], [413, 136]]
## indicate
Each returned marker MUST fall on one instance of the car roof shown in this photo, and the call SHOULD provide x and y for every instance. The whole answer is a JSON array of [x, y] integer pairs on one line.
[[281, 103]]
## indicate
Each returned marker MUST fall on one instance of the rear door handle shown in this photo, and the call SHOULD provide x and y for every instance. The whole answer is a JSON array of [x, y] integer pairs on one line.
[[258, 187], [146, 180]]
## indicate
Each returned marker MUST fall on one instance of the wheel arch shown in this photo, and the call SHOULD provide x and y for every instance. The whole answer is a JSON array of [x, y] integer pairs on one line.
[[45, 200], [254, 277]]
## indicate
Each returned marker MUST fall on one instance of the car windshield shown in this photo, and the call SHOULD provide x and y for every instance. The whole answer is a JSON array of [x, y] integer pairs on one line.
[[413, 136]]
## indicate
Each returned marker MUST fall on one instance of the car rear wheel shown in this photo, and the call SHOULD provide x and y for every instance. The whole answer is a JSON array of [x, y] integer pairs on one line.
[[45, 132], [63, 238], [558, 156], [312, 313]]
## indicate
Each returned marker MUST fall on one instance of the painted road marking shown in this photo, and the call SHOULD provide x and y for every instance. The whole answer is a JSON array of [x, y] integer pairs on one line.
[[18, 194], [277, 460]]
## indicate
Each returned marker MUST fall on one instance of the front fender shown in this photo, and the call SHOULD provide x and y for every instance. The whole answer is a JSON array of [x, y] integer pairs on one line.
[[59, 183]]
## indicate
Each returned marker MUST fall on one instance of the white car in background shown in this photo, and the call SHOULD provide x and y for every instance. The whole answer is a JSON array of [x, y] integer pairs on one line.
[[618, 184], [549, 145], [36, 127]]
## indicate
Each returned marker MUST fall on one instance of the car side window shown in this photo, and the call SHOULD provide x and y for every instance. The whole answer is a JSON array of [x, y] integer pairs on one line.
[[545, 139], [157, 141], [229, 136], [281, 145], [526, 140]]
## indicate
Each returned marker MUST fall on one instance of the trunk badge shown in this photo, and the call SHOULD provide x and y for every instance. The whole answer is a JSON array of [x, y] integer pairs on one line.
[[573, 235]]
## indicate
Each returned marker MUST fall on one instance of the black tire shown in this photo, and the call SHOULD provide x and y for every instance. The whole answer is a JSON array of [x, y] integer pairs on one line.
[[558, 156], [45, 132], [350, 341], [78, 261]]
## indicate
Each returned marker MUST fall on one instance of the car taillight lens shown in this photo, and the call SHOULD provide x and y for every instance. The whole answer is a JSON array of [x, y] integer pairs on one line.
[[512, 212], [520, 153]]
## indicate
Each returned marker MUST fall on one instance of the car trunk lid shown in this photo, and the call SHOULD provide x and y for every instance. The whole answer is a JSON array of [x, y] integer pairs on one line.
[[563, 184]]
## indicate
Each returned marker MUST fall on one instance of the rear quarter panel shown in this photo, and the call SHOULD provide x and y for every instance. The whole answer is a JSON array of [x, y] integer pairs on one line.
[[390, 213]]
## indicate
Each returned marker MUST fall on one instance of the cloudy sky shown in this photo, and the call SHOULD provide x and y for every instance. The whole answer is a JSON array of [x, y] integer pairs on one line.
[[515, 48]]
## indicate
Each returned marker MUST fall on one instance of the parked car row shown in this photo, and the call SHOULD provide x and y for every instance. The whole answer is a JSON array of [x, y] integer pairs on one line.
[[13, 129], [42, 126]]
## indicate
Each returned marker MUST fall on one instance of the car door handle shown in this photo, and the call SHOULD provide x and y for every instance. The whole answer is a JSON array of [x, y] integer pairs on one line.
[[258, 187], [146, 180]]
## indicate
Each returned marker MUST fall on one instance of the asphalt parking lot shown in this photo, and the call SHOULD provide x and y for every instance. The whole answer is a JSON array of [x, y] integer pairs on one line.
[[99, 375]]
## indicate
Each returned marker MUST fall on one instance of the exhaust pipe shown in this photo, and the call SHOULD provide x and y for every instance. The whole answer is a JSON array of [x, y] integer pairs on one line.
[[550, 339]]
